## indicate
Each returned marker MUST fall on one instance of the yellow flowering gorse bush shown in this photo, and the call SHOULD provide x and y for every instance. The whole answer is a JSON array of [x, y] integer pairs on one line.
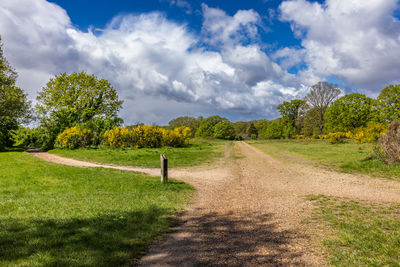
[[73, 137]]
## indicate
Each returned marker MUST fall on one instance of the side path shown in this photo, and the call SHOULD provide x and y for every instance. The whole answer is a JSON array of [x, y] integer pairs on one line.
[[248, 211]]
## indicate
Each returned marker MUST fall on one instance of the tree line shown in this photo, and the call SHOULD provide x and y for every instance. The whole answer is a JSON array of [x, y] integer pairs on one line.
[[84, 101]]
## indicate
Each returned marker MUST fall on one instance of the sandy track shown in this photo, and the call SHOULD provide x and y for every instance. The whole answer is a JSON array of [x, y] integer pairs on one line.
[[248, 211]]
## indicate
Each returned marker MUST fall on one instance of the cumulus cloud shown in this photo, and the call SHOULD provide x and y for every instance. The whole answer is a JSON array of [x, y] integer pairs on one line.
[[355, 41], [159, 67]]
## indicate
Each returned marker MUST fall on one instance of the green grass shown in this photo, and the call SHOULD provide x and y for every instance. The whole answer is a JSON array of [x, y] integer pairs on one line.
[[346, 157], [363, 234], [53, 215], [196, 152]]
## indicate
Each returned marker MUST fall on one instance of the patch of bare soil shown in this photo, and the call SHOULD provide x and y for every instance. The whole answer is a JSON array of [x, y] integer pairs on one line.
[[248, 210]]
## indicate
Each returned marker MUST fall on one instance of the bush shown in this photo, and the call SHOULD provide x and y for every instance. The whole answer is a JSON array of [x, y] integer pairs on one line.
[[145, 136], [73, 137], [370, 133], [25, 136], [2, 142], [118, 137], [336, 138], [389, 143], [224, 130]]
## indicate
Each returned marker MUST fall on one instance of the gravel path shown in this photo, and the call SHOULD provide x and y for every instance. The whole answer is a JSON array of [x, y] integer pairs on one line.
[[248, 209]]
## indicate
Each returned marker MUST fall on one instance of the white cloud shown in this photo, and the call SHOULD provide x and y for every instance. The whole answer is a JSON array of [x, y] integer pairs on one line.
[[159, 67], [356, 41]]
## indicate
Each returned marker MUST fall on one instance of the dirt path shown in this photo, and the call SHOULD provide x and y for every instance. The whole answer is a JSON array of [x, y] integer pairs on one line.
[[247, 211]]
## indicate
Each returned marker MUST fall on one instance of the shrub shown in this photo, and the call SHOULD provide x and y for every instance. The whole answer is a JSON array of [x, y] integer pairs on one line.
[[73, 137], [25, 136], [118, 137], [336, 138], [370, 133], [145, 136], [389, 143], [224, 130]]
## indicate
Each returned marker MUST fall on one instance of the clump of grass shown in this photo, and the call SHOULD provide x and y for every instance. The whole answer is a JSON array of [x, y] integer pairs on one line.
[[194, 153], [54, 215], [363, 233]]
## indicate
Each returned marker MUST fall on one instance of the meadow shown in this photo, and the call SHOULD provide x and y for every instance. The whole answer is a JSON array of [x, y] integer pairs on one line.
[[192, 153], [55, 215], [346, 157]]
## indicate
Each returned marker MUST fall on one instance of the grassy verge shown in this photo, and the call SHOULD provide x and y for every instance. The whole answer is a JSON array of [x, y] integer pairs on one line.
[[194, 153], [364, 234], [53, 215], [347, 157]]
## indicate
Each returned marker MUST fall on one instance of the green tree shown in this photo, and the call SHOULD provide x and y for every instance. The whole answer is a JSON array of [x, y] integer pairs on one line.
[[252, 131], [273, 130], [68, 100], [388, 103], [224, 130], [14, 106], [206, 128], [290, 112], [349, 112], [311, 122], [319, 98]]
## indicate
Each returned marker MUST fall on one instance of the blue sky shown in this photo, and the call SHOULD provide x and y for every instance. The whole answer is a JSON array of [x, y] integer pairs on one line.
[[238, 59]]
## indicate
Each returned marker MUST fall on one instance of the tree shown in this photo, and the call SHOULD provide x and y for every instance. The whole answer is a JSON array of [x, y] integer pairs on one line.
[[14, 106], [274, 130], [349, 112], [206, 128], [389, 103], [191, 122], [311, 122], [224, 130], [289, 112], [252, 131], [68, 100], [319, 98]]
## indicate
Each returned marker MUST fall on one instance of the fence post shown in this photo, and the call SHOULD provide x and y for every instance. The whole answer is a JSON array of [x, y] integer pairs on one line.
[[164, 168]]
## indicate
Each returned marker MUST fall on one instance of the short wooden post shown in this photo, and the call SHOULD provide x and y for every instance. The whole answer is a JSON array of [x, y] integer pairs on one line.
[[164, 168]]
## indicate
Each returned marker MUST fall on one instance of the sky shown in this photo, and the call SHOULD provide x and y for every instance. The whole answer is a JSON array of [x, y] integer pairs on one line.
[[237, 59]]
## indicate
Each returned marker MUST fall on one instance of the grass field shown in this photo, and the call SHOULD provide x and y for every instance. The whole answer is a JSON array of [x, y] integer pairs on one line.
[[347, 157], [53, 215], [194, 153], [363, 234]]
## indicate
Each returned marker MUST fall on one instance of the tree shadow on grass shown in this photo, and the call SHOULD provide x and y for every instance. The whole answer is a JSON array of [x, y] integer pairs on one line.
[[227, 240], [106, 240]]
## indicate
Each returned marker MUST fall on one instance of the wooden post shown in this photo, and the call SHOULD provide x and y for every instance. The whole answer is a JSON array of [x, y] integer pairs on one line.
[[164, 168]]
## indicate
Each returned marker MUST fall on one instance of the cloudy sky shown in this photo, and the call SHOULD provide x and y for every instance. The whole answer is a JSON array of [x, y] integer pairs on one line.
[[238, 59]]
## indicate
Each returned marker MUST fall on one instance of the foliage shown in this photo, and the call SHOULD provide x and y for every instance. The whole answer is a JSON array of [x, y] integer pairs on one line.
[[369, 133], [69, 100], [336, 138], [389, 103], [273, 130], [311, 122], [319, 98], [192, 153], [55, 215], [24, 136], [145, 136], [389, 143], [14, 106], [252, 131], [349, 112], [240, 128], [224, 130], [190, 122], [206, 128], [73, 138], [289, 112], [98, 126]]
